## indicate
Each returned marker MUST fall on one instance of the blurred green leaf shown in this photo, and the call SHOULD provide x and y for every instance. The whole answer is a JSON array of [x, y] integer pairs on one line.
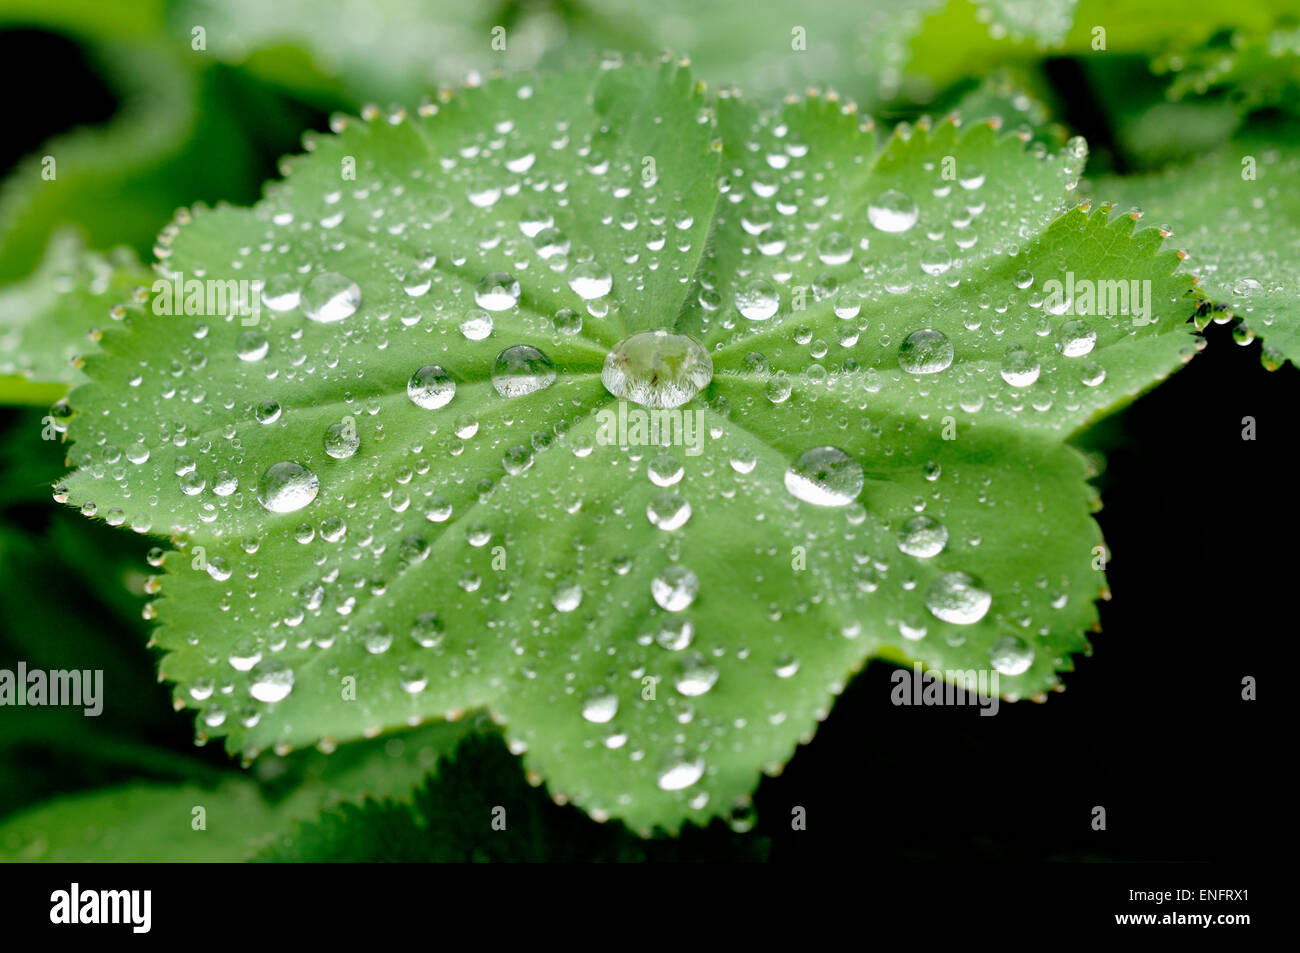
[[155, 822], [478, 808], [1235, 212], [46, 319]]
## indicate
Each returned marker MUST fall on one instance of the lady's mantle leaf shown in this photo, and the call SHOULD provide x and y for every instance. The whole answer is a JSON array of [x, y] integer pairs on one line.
[[1236, 212], [875, 469], [46, 319]]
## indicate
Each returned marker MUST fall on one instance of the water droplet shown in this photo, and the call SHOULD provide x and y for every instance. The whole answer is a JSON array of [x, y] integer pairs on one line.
[[589, 280], [925, 351], [476, 326], [893, 211], [757, 300], [251, 346], [522, 370], [600, 705], [1010, 655], [665, 470], [957, 598], [695, 676], [566, 596], [1092, 374], [1019, 367], [497, 291], [675, 588], [679, 771], [657, 369], [825, 476], [922, 537], [272, 681], [668, 511], [342, 440], [330, 297], [1075, 338], [287, 486], [431, 387]]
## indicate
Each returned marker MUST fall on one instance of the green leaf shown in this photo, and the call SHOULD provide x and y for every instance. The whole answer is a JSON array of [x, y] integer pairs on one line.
[[145, 822], [1235, 212], [964, 38], [46, 319], [498, 552], [479, 808]]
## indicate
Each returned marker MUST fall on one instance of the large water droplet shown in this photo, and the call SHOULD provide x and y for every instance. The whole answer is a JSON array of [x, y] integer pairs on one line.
[[893, 211], [272, 681], [925, 351], [1010, 655], [431, 387], [679, 771], [922, 537], [521, 370], [957, 598], [330, 297], [600, 705], [1019, 366], [757, 300], [825, 476], [657, 369], [589, 280], [287, 486], [675, 588], [497, 291]]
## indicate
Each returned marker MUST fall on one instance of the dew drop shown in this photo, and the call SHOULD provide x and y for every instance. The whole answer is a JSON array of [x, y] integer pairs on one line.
[[431, 387], [825, 476], [957, 598], [657, 369], [521, 370], [925, 351], [330, 297], [893, 211], [286, 487], [497, 291]]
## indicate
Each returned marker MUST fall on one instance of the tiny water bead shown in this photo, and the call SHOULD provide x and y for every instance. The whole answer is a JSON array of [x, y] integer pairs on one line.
[[925, 351], [825, 476], [521, 370], [657, 369], [286, 487], [957, 598], [330, 297], [497, 291], [431, 387], [893, 211]]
